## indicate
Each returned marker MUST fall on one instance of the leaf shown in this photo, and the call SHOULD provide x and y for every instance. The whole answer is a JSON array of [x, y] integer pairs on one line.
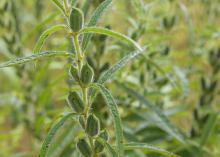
[[73, 3], [183, 80], [38, 27], [86, 6], [111, 33], [59, 5], [45, 35], [116, 67], [66, 138], [117, 120], [173, 83], [165, 123], [94, 19], [108, 146], [52, 133], [109, 73], [209, 126], [142, 146], [34, 57], [189, 22]]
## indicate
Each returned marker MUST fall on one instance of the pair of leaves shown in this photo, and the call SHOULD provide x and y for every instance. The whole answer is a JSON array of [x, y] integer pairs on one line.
[[49, 54]]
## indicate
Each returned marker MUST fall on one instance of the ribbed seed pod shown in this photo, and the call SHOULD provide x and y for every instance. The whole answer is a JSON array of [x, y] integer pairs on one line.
[[104, 134], [92, 125], [84, 148], [75, 101], [82, 122], [74, 73], [98, 147], [76, 20], [87, 74]]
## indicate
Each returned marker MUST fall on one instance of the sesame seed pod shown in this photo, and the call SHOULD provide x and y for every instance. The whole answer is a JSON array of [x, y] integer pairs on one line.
[[87, 74], [84, 148], [75, 101], [76, 20], [92, 125], [74, 73], [98, 147], [104, 134]]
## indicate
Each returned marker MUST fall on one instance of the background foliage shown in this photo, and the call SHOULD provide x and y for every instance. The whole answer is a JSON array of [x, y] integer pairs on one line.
[[178, 75]]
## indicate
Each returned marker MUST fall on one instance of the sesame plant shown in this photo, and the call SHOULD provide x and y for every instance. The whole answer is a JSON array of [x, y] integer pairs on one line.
[[94, 139]]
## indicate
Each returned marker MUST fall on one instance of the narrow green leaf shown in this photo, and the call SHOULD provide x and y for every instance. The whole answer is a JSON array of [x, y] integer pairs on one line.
[[66, 138], [45, 35], [39, 27], [111, 33], [116, 67], [117, 120], [142, 146], [38, 56], [52, 133], [164, 121], [209, 126], [189, 22], [94, 19], [110, 72], [86, 6], [108, 146], [173, 83], [59, 5], [73, 3]]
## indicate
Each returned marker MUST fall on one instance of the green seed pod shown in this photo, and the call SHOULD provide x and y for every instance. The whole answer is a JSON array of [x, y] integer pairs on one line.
[[212, 87], [76, 20], [82, 122], [98, 147], [74, 73], [104, 134], [169, 22], [203, 83], [87, 74], [84, 148], [92, 125], [75, 102]]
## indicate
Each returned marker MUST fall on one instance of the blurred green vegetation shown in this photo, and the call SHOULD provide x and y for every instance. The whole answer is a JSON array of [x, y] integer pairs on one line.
[[184, 39]]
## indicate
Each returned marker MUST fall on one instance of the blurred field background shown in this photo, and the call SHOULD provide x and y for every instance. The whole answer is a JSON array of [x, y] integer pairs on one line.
[[184, 39]]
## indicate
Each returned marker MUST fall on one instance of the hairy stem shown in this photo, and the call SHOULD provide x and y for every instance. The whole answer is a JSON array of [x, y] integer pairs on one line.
[[66, 6], [84, 90], [78, 51]]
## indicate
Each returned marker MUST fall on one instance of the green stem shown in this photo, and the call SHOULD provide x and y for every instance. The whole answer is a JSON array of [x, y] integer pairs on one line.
[[78, 51], [80, 58], [66, 7]]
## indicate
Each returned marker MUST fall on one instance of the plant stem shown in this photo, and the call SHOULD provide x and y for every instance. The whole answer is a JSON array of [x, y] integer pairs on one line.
[[66, 6], [78, 51], [80, 58]]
